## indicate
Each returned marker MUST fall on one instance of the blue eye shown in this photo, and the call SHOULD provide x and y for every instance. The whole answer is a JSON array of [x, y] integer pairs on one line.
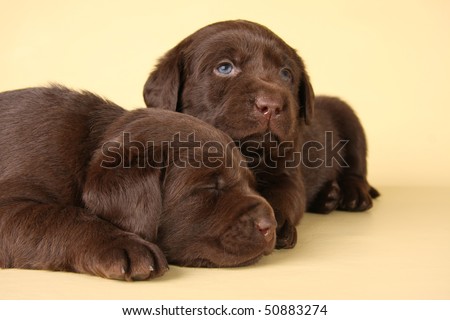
[[286, 74], [225, 68]]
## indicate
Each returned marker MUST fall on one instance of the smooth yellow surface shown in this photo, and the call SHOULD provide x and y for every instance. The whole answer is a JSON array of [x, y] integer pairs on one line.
[[398, 250], [389, 59]]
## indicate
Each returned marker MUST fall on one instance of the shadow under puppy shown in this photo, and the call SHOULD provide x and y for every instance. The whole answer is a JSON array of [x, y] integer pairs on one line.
[[86, 186], [243, 79]]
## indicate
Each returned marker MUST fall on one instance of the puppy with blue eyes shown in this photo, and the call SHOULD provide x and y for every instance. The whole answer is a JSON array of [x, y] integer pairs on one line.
[[245, 80]]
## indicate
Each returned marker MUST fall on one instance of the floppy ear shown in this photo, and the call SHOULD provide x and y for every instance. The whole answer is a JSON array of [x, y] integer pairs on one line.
[[165, 84], [306, 98], [121, 187]]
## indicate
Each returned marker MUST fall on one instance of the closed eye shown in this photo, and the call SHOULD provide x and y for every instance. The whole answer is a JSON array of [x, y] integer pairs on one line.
[[217, 186]]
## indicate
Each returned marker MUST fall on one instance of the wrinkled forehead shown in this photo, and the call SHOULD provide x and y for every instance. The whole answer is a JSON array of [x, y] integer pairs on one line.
[[215, 152], [209, 161]]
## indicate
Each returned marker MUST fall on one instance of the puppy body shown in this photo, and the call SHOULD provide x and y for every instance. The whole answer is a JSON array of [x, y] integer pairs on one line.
[[243, 79], [75, 194], [334, 164]]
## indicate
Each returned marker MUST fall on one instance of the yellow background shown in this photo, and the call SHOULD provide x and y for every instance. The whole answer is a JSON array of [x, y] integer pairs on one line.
[[389, 59]]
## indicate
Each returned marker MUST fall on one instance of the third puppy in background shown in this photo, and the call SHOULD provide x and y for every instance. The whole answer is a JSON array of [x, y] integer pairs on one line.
[[243, 79]]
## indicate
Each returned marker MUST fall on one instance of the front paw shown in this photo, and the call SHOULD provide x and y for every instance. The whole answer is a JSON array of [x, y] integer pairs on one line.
[[356, 194], [126, 257], [327, 199], [286, 236]]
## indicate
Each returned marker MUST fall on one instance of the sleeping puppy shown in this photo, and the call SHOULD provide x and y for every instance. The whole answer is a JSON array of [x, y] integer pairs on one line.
[[88, 187], [243, 79]]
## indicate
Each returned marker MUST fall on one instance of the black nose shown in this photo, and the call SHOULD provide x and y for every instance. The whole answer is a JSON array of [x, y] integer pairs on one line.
[[269, 106]]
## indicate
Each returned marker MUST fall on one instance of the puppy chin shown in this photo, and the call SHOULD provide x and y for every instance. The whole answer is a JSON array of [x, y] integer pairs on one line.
[[206, 263], [258, 131], [260, 140]]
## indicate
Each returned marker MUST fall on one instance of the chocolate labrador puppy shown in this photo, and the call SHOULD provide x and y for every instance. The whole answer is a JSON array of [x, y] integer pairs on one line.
[[88, 187], [307, 153]]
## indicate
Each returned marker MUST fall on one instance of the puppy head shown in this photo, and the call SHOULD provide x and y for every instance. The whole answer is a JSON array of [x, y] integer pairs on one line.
[[183, 185], [238, 76]]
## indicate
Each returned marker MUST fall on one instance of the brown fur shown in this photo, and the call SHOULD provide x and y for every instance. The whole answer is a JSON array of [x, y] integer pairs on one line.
[[267, 91], [69, 202]]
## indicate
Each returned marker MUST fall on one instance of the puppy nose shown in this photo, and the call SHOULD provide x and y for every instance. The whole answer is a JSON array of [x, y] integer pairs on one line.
[[268, 106], [266, 227]]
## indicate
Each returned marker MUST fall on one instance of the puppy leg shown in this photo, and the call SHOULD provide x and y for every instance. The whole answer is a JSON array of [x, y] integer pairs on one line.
[[286, 231], [355, 192], [285, 193], [54, 237], [357, 195], [328, 198], [286, 235]]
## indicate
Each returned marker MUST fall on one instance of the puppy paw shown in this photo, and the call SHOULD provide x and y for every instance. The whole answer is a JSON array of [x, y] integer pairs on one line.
[[357, 195], [127, 257], [286, 236], [374, 192], [327, 199]]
